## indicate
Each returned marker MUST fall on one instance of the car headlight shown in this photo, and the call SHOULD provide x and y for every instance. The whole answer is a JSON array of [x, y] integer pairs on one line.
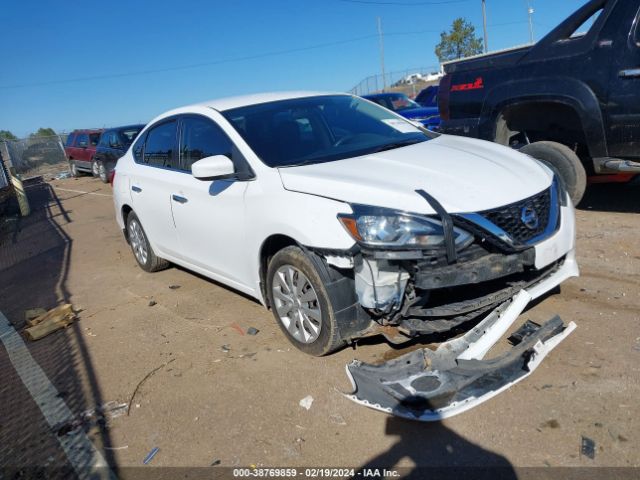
[[387, 228]]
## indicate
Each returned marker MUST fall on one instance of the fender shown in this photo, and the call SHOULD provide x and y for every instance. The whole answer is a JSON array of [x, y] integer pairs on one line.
[[568, 91]]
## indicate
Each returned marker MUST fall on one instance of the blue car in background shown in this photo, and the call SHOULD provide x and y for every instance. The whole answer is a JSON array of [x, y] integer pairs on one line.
[[428, 97], [403, 105]]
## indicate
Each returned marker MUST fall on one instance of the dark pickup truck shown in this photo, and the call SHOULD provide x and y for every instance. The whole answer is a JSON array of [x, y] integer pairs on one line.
[[571, 100]]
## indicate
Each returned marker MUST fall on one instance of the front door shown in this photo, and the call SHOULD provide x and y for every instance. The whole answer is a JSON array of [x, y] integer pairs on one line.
[[209, 215]]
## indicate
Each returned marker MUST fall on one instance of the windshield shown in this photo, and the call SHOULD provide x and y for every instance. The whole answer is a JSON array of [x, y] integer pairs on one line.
[[320, 129]]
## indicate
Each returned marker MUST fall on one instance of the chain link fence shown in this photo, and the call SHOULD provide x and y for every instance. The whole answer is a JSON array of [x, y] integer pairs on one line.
[[409, 81], [36, 155]]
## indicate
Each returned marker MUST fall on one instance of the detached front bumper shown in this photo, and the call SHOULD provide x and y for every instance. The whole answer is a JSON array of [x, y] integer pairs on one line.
[[431, 385]]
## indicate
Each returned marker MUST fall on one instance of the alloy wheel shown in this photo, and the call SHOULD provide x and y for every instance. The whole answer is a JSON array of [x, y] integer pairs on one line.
[[297, 304], [138, 242]]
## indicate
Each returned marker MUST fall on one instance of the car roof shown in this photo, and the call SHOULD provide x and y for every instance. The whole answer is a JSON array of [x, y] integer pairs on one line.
[[229, 103], [385, 94], [88, 130]]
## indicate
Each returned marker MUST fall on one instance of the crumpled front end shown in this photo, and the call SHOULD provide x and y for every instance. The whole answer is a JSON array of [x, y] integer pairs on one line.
[[516, 253]]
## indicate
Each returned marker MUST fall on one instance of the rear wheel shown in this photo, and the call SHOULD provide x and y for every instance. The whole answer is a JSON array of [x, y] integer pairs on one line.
[[102, 172], [564, 162], [300, 303], [141, 247]]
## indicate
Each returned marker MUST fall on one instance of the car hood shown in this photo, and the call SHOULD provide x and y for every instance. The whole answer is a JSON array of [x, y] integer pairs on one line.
[[465, 175], [419, 112]]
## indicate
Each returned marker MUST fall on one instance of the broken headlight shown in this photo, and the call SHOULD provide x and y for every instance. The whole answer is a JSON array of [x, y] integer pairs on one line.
[[376, 227]]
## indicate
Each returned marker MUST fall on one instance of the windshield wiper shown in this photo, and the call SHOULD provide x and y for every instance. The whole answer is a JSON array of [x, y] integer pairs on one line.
[[391, 146]]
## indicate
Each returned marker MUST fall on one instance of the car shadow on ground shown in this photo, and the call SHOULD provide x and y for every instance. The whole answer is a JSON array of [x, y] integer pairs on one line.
[[34, 263], [612, 197], [437, 452]]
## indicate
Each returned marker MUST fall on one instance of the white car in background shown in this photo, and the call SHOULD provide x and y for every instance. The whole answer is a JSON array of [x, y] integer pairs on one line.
[[347, 220]]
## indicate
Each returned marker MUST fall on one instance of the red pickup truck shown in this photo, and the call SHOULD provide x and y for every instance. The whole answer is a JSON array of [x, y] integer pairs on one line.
[[80, 150]]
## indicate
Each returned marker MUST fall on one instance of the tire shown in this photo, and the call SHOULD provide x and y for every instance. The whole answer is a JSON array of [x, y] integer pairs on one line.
[[73, 168], [102, 172], [564, 162], [94, 168], [314, 334], [141, 248]]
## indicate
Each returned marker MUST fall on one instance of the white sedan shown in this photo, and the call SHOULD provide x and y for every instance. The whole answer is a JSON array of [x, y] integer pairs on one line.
[[343, 218]]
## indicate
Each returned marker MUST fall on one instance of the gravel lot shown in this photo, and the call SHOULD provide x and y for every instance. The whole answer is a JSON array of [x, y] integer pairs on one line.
[[219, 394]]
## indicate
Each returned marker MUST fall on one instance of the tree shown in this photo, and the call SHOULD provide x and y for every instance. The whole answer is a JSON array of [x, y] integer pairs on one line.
[[459, 42], [44, 132], [7, 135]]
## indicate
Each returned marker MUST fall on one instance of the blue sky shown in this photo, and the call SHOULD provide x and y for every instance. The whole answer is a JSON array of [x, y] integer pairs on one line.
[[70, 64]]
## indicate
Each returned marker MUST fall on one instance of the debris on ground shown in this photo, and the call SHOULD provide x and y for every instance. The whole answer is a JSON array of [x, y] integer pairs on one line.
[[141, 382], [306, 402], [32, 313], [225, 348], [95, 417], [252, 331], [62, 176], [152, 303], [337, 419], [216, 462], [237, 328], [174, 287], [150, 456], [588, 448], [49, 322]]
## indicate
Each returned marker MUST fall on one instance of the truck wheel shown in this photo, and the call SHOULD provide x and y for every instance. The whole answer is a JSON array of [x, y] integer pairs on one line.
[[564, 162], [94, 168], [102, 172], [141, 247], [300, 302]]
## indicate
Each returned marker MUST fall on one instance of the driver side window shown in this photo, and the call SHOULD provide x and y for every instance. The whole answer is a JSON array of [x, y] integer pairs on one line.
[[202, 138]]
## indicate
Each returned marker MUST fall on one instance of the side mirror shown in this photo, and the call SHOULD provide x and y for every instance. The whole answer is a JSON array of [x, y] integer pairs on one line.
[[217, 167]]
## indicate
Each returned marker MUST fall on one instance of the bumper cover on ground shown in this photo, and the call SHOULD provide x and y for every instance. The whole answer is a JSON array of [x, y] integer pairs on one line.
[[431, 385]]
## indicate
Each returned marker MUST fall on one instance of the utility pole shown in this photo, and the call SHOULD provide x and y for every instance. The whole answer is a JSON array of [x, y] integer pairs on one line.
[[530, 11], [384, 79], [484, 24]]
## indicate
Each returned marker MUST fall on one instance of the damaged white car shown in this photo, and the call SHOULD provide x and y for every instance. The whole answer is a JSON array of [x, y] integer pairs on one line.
[[347, 220]]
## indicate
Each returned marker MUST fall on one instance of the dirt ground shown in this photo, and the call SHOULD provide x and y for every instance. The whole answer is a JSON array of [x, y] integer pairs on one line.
[[217, 394]]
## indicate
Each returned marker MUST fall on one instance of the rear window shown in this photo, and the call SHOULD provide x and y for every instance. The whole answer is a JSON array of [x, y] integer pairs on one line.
[[127, 136]]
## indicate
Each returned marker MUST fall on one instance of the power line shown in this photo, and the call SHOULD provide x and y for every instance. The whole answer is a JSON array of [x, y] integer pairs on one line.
[[188, 67]]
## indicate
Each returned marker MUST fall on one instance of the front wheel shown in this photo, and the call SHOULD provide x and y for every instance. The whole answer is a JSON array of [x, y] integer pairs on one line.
[[73, 168], [564, 162], [300, 303], [94, 168]]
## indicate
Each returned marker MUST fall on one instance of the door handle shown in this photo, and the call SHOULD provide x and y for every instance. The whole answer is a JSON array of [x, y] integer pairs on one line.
[[136, 189], [630, 73], [179, 199]]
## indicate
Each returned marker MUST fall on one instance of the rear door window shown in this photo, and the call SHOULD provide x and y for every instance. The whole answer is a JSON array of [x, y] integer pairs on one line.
[[159, 148], [70, 139], [94, 138]]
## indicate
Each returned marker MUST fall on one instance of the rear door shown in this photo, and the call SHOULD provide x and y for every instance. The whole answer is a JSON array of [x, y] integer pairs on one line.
[[81, 153], [152, 180], [623, 106]]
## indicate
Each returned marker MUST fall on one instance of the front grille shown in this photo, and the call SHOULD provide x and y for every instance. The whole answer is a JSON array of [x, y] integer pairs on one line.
[[510, 217]]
